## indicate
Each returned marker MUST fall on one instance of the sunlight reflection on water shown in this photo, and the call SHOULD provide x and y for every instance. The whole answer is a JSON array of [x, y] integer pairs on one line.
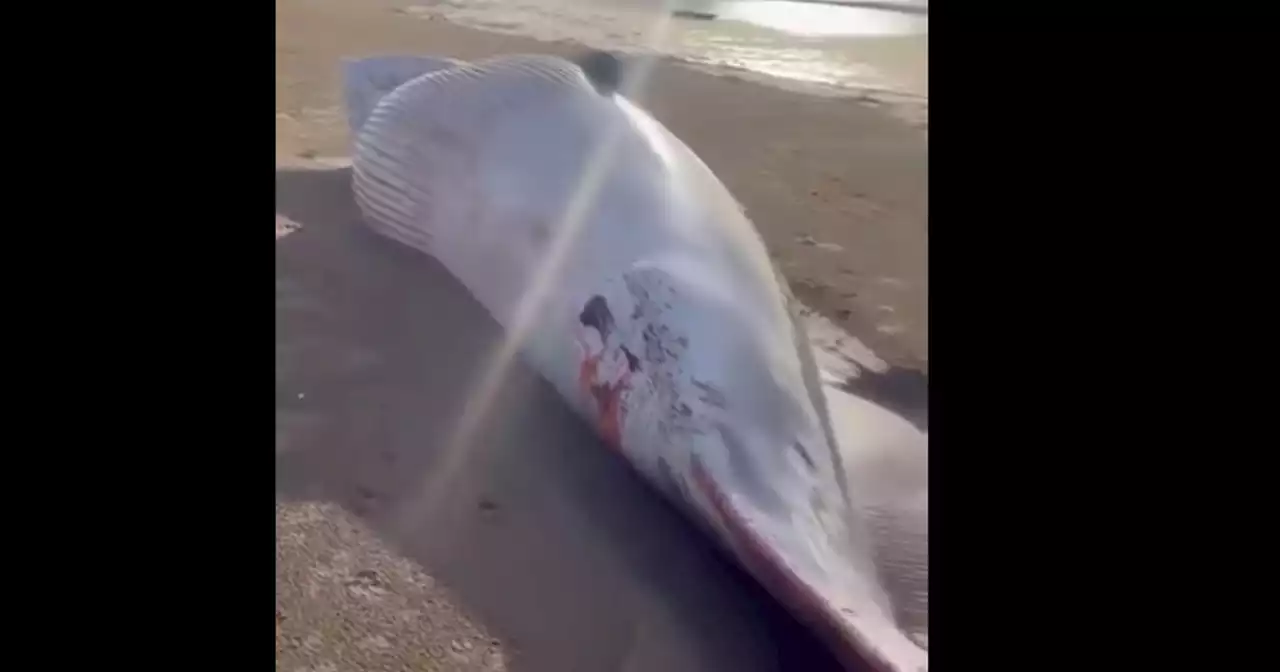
[[840, 46]]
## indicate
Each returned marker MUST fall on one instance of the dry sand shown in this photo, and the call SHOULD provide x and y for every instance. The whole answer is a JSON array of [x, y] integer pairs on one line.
[[548, 555]]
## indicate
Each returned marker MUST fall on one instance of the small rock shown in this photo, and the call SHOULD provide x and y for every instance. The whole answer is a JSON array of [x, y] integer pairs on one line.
[[844, 314], [302, 395], [806, 240], [487, 504], [307, 154]]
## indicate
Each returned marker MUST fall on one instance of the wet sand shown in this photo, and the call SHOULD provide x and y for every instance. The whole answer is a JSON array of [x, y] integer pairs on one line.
[[548, 554]]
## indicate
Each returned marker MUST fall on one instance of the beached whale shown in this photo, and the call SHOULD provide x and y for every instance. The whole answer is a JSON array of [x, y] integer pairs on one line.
[[644, 295]]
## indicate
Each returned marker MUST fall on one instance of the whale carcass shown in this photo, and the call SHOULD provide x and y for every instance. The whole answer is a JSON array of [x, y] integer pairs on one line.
[[657, 313]]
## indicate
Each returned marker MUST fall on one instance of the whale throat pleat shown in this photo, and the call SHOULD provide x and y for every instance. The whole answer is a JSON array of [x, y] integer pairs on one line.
[[417, 121]]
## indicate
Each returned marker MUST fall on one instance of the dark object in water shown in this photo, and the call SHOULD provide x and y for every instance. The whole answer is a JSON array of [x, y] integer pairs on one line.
[[691, 14], [603, 70]]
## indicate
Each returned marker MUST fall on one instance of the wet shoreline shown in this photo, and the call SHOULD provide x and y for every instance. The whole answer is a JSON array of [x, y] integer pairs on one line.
[[855, 50], [919, 8]]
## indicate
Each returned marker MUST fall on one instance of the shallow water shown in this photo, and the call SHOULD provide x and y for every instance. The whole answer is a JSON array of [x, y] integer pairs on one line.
[[850, 47]]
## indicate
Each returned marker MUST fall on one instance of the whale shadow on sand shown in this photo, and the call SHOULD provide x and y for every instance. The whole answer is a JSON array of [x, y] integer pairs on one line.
[[542, 535], [903, 390]]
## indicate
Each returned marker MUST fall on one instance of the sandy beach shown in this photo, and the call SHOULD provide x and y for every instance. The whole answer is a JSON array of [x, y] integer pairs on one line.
[[547, 554]]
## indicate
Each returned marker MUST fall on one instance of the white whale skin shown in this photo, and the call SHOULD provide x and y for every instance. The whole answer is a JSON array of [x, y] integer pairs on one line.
[[664, 322]]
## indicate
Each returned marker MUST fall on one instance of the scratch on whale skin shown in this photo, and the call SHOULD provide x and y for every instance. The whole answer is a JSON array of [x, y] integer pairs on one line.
[[608, 398]]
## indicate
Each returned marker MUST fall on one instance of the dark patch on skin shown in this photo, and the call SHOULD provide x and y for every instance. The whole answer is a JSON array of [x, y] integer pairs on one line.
[[608, 395], [808, 459], [596, 314], [604, 70], [654, 350], [711, 394], [633, 362]]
